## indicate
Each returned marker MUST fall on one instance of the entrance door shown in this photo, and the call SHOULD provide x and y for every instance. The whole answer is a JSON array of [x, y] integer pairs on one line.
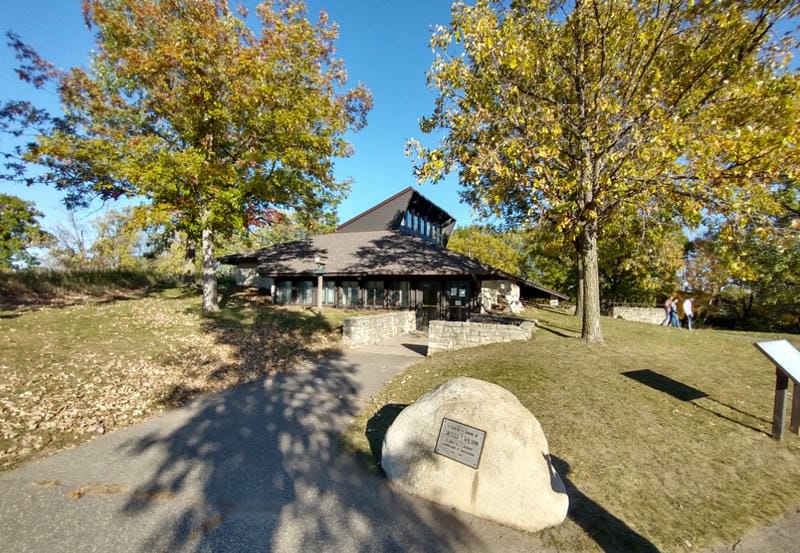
[[458, 297], [428, 309]]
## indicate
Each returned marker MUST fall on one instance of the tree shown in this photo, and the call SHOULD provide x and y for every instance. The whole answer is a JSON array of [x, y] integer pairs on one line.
[[118, 241], [188, 107], [71, 243], [551, 262], [575, 112], [641, 255], [276, 227], [19, 230], [503, 250], [749, 272]]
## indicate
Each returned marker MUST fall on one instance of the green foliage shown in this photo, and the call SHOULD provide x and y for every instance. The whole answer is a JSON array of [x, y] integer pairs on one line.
[[551, 260], [280, 227], [640, 259], [19, 229], [749, 272], [187, 106], [109, 241], [577, 113], [503, 250], [641, 256], [118, 243]]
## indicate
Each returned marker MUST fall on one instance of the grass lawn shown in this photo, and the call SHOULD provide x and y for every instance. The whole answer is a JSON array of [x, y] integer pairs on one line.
[[70, 373], [662, 434]]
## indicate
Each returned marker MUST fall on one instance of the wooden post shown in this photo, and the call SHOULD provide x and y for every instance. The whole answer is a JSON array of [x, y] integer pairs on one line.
[[319, 291], [794, 424], [787, 366], [319, 271], [779, 409]]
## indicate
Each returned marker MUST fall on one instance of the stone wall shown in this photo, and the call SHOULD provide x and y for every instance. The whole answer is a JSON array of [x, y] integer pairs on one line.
[[247, 276], [450, 336], [500, 292], [652, 315], [371, 329]]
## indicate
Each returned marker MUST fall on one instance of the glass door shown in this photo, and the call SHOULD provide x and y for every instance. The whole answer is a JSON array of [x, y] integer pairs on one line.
[[458, 298], [429, 309]]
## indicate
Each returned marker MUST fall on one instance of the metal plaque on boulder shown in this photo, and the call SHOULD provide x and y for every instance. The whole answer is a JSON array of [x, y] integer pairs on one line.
[[460, 442]]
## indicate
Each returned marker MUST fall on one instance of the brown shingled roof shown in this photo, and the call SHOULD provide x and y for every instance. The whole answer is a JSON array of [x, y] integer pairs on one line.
[[363, 253], [380, 253]]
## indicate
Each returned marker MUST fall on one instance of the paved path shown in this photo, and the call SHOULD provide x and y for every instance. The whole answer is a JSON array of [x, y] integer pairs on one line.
[[781, 537], [257, 469], [251, 469]]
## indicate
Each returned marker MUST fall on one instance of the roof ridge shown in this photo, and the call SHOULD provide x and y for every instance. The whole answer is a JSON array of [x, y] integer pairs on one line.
[[374, 208]]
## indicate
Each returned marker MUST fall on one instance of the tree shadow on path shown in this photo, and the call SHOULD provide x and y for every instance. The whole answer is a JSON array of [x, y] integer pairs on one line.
[[257, 468]]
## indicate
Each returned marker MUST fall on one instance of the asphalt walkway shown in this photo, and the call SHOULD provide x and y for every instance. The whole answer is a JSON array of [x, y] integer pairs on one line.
[[256, 468]]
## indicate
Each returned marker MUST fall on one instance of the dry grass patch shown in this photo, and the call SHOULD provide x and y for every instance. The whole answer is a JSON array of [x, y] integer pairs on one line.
[[68, 374], [662, 434]]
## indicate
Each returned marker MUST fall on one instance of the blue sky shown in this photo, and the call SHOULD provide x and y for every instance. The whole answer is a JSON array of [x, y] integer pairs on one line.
[[384, 44]]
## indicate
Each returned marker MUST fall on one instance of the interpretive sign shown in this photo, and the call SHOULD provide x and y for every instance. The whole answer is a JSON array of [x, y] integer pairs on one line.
[[460, 442], [783, 354], [787, 366]]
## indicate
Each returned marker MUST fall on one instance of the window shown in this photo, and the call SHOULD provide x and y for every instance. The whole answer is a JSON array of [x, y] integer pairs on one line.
[[429, 310], [400, 294], [374, 293], [430, 293], [351, 293], [422, 227], [328, 292], [305, 292], [283, 292]]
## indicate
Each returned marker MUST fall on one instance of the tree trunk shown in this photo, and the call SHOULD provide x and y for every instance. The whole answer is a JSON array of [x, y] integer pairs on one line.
[[189, 258], [590, 324], [579, 289], [587, 240], [209, 272]]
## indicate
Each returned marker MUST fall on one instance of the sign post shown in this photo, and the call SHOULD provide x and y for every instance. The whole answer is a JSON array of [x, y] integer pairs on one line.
[[787, 366]]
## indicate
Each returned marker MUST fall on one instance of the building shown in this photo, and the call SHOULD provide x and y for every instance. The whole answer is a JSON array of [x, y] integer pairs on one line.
[[392, 256]]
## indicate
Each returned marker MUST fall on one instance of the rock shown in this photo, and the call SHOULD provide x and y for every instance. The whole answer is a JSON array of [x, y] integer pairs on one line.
[[514, 482], [515, 305]]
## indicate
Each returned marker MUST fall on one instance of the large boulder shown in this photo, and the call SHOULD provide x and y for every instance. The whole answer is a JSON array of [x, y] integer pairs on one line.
[[472, 445]]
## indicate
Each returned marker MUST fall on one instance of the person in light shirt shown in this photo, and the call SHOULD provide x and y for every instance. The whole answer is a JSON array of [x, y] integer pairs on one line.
[[688, 311]]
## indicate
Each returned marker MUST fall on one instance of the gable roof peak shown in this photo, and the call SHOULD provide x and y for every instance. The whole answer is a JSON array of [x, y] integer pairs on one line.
[[389, 214]]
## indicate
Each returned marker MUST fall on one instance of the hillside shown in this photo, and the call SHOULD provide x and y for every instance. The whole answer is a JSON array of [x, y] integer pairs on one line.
[[663, 434], [86, 364]]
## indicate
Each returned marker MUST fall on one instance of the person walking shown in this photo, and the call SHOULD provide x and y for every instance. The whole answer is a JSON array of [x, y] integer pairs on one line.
[[688, 311], [673, 313], [667, 310]]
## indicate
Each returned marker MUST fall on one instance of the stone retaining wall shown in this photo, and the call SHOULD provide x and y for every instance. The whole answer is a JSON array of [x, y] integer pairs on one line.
[[652, 315], [450, 336], [371, 329], [247, 276]]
